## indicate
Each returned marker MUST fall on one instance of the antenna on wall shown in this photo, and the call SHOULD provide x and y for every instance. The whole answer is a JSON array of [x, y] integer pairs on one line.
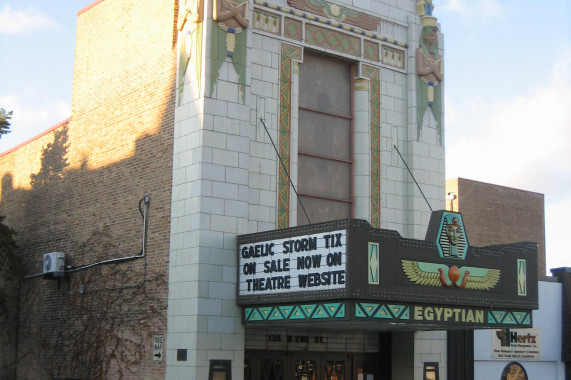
[[414, 179], [285, 169]]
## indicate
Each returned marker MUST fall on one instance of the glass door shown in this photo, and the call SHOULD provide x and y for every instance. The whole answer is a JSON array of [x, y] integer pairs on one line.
[[272, 369], [266, 365], [322, 366], [305, 367], [334, 369], [368, 367]]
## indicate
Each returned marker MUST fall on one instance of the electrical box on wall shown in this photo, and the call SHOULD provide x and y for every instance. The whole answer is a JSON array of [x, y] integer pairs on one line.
[[53, 265]]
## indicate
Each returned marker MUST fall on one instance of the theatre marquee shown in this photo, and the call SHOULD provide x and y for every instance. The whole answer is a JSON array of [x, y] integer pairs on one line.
[[349, 274]]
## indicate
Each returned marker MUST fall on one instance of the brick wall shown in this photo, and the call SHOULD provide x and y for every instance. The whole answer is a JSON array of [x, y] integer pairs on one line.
[[76, 189], [495, 214]]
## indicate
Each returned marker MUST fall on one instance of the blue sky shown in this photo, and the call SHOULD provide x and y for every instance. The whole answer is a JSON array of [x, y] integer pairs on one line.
[[507, 101], [507, 91], [37, 41]]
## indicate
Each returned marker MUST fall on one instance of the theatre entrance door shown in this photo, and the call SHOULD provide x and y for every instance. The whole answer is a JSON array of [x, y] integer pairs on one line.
[[264, 365]]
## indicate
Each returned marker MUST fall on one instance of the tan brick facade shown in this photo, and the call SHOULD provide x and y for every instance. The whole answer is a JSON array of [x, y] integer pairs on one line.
[[495, 214], [76, 189]]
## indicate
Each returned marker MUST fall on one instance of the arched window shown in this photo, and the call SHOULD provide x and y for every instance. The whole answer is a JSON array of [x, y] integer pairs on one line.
[[514, 371]]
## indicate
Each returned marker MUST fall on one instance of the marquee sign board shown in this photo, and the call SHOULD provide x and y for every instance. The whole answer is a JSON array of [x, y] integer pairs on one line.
[[348, 271], [307, 263]]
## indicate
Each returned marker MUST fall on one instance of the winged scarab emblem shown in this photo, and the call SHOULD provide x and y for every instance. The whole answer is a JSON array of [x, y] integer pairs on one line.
[[339, 13], [432, 274]]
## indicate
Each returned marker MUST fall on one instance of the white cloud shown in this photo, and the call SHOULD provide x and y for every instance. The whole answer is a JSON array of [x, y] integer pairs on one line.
[[21, 21], [475, 11], [523, 142], [557, 235], [32, 115]]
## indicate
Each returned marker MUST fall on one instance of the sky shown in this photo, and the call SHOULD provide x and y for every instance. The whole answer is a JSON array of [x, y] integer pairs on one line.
[[507, 91]]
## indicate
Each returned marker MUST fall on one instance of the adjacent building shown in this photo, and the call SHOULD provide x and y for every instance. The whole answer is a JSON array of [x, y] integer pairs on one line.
[[500, 214]]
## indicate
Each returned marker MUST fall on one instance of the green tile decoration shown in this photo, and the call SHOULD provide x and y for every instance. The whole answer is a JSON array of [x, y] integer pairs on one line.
[[289, 53], [382, 311], [372, 73], [317, 311]]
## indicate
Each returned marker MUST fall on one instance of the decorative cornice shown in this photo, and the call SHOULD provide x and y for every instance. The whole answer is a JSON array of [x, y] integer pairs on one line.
[[329, 22]]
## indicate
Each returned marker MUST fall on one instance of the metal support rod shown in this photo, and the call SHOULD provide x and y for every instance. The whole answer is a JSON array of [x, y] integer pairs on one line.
[[285, 169], [414, 179]]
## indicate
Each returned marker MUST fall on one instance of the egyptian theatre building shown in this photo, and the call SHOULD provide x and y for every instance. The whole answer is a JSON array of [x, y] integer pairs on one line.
[[287, 158]]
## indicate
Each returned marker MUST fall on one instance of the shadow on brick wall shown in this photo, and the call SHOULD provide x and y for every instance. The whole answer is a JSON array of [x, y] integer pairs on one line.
[[97, 322], [54, 160]]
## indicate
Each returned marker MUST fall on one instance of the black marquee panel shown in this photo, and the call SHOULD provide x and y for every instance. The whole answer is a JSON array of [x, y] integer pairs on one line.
[[375, 275]]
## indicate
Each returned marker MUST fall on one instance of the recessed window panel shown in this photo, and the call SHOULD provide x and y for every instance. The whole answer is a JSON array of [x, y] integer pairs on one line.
[[324, 178], [324, 139], [322, 210], [326, 84], [324, 135]]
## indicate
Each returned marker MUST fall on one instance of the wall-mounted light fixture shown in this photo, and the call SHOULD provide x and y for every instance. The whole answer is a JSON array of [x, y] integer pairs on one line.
[[451, 196]]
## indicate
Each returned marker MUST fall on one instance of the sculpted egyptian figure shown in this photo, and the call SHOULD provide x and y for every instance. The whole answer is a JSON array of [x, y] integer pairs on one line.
[[229, 38], [192, 12], [232, 13], [232, 16], [428, 62], [454, 232]]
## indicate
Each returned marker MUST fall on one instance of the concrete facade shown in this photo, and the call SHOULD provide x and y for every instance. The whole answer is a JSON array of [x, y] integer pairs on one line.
[[226, 171], [142, 125]]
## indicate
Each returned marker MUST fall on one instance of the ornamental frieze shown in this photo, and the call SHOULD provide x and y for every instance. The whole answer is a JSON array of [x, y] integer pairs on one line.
[[336, 12], [336, 29]]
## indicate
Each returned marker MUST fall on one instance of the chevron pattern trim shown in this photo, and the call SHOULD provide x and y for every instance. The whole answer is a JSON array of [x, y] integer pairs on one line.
[[382, 311], [514, 318], [317, 311]]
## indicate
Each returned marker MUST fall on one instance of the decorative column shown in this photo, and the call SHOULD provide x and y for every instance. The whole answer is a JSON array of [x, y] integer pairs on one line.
[[374, 143], [361, 151], [289, 54]]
